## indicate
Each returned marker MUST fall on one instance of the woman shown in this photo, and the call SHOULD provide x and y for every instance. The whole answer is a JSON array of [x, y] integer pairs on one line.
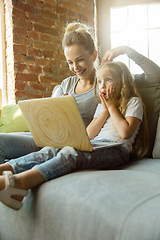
[[80, 53]]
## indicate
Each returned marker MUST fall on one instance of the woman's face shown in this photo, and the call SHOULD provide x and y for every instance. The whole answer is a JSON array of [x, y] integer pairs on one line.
[[80, 61]]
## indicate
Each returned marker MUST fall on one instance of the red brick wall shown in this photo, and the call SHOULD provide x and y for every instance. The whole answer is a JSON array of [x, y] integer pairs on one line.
[[34, 55]]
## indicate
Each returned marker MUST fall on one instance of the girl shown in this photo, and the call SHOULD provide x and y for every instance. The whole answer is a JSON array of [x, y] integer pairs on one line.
[[118, 118], [120, 98]]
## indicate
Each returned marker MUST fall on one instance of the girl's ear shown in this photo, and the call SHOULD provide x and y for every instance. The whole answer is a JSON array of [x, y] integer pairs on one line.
[[95, 55]]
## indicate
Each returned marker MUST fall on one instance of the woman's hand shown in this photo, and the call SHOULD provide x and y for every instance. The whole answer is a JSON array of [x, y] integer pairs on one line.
[[115, 52]]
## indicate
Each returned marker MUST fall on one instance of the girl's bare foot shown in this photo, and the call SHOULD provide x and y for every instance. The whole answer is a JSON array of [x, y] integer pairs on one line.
[[2, 182], [5, 167]]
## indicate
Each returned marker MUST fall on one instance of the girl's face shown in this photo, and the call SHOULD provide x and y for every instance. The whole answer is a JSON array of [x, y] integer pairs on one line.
[[106, 80], [80, 61]]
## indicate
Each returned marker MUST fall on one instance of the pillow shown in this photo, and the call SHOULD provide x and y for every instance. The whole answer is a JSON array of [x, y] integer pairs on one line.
[[156, 149], [12, 120]]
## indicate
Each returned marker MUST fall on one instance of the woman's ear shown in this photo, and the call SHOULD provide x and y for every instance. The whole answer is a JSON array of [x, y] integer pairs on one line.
[[95, 55]]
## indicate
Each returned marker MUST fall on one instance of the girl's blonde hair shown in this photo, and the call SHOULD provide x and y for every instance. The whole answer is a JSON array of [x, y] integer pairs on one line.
[[129, 90], [78, 33]]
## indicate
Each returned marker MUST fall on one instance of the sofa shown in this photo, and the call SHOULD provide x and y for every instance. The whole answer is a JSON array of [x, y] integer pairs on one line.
[[117, 204]]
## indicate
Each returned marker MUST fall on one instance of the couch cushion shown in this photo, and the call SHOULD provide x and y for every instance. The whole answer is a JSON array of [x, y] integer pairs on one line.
[[143, 164], [150, 92], [156, 149], [88, 205], [12, 120]]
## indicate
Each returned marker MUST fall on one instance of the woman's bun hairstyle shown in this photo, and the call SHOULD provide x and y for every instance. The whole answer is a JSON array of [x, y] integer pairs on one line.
[[78, 33]]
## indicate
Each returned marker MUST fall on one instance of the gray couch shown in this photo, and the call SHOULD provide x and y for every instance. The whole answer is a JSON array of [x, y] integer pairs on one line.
[[119, 204]]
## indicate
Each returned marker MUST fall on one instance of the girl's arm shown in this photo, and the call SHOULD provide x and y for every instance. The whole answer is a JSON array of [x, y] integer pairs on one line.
[[125, 126], [96, 124]]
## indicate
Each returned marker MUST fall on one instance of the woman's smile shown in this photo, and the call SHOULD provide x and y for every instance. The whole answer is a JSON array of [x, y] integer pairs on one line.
[[80, 72]]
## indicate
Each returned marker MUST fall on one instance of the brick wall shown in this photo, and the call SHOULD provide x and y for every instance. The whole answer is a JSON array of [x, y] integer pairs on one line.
[[34, 55]]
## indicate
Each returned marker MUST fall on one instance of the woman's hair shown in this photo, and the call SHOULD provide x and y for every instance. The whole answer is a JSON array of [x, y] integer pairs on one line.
[[129, 90], [78, 33]]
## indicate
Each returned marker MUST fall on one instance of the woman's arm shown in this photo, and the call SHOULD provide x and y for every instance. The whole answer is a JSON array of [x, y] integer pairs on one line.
[[115, 52], [151, 69], [56, 91], [66, 87]]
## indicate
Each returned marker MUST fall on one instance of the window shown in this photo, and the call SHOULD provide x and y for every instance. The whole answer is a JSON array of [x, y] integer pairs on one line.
[[138, 26], [2, 57]]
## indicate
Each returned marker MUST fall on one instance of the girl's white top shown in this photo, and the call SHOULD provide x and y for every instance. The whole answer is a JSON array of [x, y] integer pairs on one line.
[[108, 131]]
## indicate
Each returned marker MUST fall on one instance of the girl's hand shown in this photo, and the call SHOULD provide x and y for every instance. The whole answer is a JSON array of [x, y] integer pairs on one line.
[[103, 100], [112, 100], [109, 99]]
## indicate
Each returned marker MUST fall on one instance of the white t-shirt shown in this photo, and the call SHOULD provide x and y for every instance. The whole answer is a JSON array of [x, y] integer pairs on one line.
[[108, 131]]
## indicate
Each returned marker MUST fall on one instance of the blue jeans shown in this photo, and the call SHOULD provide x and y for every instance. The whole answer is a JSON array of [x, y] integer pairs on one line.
[[53, 163], [14, 145]]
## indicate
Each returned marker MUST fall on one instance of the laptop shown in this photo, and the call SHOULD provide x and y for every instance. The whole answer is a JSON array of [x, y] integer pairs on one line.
[[57, 122]]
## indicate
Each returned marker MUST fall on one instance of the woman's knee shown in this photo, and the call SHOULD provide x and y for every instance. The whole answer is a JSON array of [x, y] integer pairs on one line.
[[14, 145]]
